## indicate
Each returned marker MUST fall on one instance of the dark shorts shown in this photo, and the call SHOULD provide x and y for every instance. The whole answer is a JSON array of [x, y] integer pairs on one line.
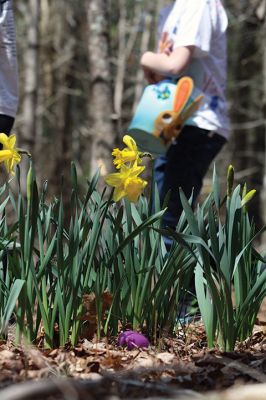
[[185, 165]]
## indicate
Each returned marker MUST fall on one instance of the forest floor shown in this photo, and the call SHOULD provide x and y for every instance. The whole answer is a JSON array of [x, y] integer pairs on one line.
[[177, 368]]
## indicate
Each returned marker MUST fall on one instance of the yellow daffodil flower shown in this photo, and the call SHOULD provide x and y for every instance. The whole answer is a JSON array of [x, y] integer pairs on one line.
[[9, 155], [128, 155], [127, 182]]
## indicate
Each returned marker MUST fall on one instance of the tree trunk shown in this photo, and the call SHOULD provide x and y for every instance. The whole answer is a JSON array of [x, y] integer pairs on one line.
[[263, 46], [245, 93], [31, 63], [144, 45], [27, 129], [127, 36], [100, 103]]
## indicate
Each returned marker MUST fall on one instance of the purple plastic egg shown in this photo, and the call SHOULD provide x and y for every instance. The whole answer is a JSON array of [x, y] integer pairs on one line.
[[122, 337], [132, 340]]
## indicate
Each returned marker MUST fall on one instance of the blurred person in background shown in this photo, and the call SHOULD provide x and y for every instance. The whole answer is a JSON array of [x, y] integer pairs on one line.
[[192, 42], [8, 76], [8, 67]]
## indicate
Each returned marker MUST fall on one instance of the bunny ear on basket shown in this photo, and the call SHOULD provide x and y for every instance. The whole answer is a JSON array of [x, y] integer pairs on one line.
[[191, 109], [183, 92]]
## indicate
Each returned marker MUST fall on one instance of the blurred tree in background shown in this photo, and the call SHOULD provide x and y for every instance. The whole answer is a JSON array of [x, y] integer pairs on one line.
[[80, 82]]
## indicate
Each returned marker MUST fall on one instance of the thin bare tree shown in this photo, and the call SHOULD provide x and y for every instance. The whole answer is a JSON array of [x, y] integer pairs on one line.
[[101, 100], [31, 13]]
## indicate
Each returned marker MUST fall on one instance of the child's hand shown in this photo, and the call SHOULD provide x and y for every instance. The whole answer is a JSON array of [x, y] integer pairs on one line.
[[165, 44]]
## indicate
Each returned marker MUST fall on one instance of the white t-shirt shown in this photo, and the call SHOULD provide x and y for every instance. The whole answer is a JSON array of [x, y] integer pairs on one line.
[[8, 61], [203, 24]]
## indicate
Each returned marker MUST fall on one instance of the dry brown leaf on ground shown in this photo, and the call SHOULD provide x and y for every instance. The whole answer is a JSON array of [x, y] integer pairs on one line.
[[89, 315]]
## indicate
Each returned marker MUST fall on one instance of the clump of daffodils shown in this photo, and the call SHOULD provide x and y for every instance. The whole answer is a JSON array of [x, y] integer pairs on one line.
[[9, 154], [127, 182]]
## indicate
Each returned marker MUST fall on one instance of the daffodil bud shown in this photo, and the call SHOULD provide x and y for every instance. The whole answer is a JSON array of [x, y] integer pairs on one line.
[[29, 182], [146, 154], [230, 180], [248, 197], [244, 190]]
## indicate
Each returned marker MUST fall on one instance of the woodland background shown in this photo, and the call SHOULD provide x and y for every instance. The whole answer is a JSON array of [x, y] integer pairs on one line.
[[80, 82]]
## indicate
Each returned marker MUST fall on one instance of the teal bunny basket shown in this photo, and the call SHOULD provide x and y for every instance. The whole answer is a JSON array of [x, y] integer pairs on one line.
[[161, 113]]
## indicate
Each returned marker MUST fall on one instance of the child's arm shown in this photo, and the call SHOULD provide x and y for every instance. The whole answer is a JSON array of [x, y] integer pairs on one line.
[[165, 46], [168, 65]]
